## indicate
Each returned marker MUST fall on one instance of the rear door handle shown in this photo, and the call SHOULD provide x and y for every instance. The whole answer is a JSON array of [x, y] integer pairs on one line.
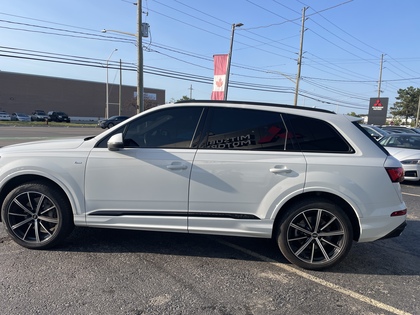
[[176, 166]]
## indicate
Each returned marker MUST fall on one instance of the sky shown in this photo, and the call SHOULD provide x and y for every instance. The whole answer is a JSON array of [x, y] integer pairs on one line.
[[343, 44]]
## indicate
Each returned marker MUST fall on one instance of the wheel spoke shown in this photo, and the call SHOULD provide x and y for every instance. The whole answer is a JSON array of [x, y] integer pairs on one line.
[[318, 220], [307, 221], [45, 229], [27, 231], [29, 200], [328, 223], [321, 247], [22, 207], [329, 243], [48, 219], [297, 238], [297, 227], [18, 225], [332, 233], [46, 210], [38, 206], [37, 232], [303, 247], [18, 214], [312, 252]]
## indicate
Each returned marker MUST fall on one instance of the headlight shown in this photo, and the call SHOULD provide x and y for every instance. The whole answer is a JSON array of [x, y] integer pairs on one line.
[[416, 161]]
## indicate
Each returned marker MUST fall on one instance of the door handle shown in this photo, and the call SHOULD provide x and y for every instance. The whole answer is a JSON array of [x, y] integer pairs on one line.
[[176, 166], [280, 170]]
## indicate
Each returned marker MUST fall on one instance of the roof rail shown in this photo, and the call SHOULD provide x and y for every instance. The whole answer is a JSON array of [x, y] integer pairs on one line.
[[255, 103]]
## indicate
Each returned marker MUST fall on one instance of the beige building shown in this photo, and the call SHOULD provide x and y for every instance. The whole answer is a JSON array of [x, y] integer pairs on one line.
[[25, 93]]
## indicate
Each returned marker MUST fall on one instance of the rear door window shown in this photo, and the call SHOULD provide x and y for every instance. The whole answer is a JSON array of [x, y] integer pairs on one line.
[[245, 129]]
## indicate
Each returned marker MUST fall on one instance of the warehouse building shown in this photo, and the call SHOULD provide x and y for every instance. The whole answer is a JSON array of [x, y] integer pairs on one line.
[[26, 93]]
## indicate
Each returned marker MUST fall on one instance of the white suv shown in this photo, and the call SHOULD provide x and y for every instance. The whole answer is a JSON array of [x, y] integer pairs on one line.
[[311, 179]]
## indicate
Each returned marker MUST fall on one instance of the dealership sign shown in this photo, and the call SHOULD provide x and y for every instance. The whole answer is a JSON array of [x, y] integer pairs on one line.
[[378, 108]]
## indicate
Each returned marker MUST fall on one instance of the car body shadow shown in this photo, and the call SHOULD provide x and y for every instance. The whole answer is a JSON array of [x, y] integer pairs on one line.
[[395, 256]]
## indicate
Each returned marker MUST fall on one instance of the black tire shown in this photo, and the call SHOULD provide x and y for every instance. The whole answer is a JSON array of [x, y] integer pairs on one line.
[[315, 234], [37, 216], [110, 125]]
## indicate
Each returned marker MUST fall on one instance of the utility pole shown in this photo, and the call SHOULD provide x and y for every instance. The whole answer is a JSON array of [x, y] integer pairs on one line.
[[229, 61], [140, 95], [302, 30], [380, 76], [120, 98], [107, 84], [191, 89]]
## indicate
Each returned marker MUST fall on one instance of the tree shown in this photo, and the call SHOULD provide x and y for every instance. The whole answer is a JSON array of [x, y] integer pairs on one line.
[[184, 98], [354, 114], [407, 103]]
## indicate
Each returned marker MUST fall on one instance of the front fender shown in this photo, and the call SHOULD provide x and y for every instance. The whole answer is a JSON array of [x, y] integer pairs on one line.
[[67, 172]]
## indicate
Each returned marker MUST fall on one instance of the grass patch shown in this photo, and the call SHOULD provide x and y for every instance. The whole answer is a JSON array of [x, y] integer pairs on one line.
[[51, 124]]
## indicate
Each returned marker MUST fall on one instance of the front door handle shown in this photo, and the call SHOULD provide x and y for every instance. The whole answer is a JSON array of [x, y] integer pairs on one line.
[[280, 169]]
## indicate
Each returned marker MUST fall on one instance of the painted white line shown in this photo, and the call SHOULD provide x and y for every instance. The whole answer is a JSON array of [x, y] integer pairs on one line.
[[408, 194], [320, 281]]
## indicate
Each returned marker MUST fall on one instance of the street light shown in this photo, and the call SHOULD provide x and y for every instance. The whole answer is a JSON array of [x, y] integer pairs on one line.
[[235, 25], [140, 102], [107, 91], [121, 32]]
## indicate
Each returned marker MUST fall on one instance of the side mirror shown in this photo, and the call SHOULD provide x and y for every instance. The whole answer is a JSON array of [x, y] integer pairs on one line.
[[115, 143]]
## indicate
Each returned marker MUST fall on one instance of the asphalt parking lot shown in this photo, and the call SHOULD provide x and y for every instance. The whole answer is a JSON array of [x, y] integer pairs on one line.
[[101, 271]]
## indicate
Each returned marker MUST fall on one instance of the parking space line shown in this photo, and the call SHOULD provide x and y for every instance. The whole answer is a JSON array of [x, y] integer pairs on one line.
[[317, 280], [408, 194]]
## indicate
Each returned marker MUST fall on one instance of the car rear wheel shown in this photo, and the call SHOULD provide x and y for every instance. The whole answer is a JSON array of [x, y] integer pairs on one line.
[[36, 215], [315, 234]]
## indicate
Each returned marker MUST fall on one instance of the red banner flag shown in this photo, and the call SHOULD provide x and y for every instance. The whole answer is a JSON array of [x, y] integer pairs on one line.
[[220, 67]]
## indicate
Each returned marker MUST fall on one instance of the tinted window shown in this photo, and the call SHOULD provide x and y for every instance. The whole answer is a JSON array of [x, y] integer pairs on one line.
[[245, 129], [314, 135], [168, 128]]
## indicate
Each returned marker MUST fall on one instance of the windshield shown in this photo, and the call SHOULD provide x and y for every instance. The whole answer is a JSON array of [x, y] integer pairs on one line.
[[405, 141]]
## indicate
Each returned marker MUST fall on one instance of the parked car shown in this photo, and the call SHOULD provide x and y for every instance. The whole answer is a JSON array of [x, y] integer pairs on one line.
[[312, 180], [58, 116], [39, 115], [376, 132], [111, 121], [20, 117], [399, 129], [4, 116], [406, 148]]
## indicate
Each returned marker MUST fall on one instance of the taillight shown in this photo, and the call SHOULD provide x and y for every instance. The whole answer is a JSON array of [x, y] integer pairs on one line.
[[396, 174], [399, 213]]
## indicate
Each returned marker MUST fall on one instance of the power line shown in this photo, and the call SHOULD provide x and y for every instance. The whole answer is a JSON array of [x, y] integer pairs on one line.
[[187, 57], [100, 63]]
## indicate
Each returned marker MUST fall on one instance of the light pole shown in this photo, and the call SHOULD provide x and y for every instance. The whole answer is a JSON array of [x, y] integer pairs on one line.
[[107, 90], [140, 94], [140, 102], [234, 26]]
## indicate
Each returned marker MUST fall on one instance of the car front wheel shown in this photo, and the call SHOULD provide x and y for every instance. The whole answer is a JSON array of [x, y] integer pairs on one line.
[[315, 234], [36, 215]]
